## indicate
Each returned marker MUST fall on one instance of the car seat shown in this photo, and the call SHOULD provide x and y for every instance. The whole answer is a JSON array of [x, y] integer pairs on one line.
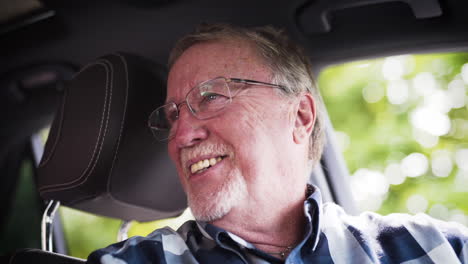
[[100, 156]]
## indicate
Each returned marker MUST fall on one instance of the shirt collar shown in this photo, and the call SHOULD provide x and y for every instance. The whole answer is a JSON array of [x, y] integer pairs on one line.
[[313, 212]]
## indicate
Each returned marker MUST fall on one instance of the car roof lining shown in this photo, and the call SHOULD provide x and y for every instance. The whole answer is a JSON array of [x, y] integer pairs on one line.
[[100, 27]]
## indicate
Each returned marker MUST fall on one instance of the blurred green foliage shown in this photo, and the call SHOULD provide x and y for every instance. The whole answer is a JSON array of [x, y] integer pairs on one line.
[[378, 133], [85, 232]]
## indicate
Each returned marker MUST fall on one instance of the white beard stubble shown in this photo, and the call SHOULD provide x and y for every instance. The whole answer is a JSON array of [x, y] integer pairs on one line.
[[219, 202]]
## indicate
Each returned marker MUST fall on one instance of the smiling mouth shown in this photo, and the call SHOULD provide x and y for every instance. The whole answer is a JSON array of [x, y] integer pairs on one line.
[[205, 164]]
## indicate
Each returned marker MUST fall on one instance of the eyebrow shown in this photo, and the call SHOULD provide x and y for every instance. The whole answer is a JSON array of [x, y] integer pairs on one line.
[[172, 99]]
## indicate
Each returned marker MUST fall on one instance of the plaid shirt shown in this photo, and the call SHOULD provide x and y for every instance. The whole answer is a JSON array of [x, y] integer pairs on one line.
[[331, 236]]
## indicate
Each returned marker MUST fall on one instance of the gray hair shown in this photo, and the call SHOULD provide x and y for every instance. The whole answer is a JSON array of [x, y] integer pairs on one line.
[[287, 61]]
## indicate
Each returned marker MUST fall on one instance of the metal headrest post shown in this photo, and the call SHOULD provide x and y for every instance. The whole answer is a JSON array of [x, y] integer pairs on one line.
[[47, 225], [123, 230]]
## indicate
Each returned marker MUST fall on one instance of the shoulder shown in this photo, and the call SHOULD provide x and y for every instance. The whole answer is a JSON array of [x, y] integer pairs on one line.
[[397, 233], [154, 248], [419, 223]]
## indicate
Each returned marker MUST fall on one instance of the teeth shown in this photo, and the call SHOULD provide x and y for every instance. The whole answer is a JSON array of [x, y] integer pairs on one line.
[[202, 164], [193, 168]]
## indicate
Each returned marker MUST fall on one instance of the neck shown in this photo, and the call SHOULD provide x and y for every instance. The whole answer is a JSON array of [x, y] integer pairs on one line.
[[271, 229]]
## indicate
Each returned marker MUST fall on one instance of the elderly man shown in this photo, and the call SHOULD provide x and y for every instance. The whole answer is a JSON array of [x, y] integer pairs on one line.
[[243, 124]]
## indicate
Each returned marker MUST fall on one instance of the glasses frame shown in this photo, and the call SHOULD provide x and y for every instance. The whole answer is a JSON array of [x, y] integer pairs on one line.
[[193, 112]]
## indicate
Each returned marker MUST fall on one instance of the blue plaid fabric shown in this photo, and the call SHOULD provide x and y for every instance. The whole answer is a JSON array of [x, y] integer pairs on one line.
[[331, 236]]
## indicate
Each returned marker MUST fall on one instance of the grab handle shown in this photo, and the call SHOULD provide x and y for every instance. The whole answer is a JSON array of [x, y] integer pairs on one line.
[[315, 16]]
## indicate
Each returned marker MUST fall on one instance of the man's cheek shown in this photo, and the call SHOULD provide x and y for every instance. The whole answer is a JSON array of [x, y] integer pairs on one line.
[[251, 123]]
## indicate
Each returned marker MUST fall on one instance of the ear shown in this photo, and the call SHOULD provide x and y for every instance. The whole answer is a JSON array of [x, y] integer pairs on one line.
[[304, 118]]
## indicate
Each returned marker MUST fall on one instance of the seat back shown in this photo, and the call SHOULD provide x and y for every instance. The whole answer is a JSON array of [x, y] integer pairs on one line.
[[100, 155]]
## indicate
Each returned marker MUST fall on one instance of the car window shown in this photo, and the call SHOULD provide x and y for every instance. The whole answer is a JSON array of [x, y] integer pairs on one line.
[[402, 124]]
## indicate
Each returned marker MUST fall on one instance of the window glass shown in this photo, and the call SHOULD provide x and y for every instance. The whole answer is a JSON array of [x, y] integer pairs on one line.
[[402, 125]]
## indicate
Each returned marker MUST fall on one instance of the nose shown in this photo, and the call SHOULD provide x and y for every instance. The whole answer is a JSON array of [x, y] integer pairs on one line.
[[189, 129]]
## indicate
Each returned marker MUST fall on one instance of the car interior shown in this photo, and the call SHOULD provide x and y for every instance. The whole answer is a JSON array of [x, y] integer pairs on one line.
[[93, 71]]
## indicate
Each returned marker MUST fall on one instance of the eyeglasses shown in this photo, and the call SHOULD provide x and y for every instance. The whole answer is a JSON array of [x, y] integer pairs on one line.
[[206, 100]]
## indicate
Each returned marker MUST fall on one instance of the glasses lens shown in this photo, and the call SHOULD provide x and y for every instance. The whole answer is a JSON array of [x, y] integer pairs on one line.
[[160, 121], [208, 98]]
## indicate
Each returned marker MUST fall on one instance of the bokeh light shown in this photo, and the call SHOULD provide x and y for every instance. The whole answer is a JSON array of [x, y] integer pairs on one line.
[[458, 216], [394, 174], [441, 163], [439, 211], [414, 165], [425, 139], [438, 101], [373, 92], [397, 92], [343, 140], [461, 181], [424, 83], [369, 187], [441, 67], [430, 121], [393, 68], [456, 94], [417, 203], [461, 158], [464, 73]]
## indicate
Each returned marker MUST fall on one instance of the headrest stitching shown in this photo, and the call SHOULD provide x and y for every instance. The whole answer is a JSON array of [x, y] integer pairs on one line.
[[121, 124], [49, 188], [107, 118]]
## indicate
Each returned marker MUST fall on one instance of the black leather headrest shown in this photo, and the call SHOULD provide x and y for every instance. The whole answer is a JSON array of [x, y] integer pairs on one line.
[[100, 156]]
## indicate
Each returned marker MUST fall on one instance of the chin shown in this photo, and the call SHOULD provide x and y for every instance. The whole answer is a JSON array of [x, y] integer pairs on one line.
[[215, 204], [208, 213]]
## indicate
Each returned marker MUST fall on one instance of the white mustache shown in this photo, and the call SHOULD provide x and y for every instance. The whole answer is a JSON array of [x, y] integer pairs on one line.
[[203, 149]]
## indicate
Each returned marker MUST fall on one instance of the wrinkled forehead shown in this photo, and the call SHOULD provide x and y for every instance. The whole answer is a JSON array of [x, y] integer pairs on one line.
[[208, 60]]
